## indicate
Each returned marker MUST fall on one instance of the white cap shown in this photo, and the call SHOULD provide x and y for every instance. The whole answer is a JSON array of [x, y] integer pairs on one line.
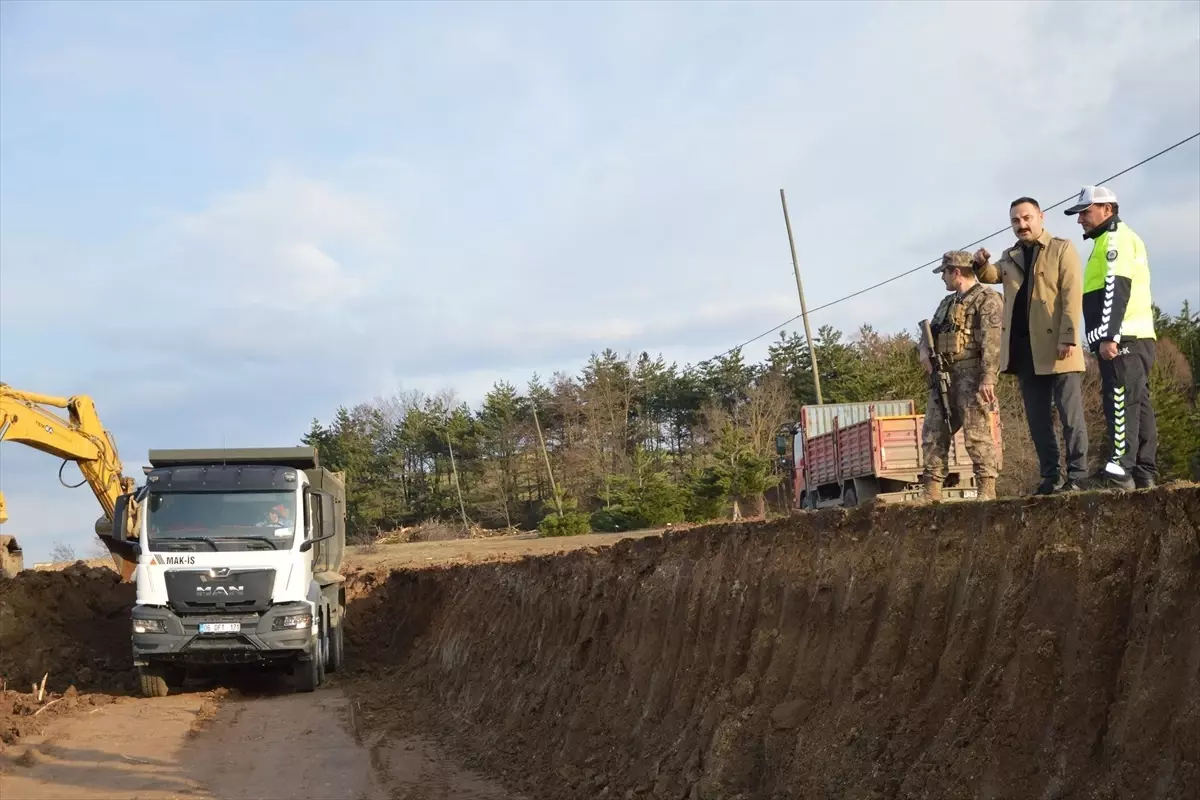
[[1089, 195]]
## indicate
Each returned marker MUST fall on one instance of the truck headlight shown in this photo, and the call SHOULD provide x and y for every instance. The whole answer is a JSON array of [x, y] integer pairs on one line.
[[149, 626], [293, 622]]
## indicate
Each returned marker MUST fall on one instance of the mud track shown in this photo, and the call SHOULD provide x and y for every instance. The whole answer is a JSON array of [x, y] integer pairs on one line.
[[272, 746], [1042, 648]]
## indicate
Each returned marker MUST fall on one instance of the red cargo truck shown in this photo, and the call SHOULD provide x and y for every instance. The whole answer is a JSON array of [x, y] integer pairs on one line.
[[846, 453]]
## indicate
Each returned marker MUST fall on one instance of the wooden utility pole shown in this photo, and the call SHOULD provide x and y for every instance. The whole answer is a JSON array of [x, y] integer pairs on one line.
[[546, 457], [457, 487], [812, 351]]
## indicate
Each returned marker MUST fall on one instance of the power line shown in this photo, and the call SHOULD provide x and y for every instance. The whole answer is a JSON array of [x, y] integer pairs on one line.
[[938, 260]]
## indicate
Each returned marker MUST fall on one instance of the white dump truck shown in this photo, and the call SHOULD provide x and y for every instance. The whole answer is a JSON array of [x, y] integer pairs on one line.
[[239, 556]]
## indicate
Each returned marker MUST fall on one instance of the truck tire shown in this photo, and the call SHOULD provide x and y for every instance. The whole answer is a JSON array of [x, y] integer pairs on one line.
[[153, 682], [309, 675], [336, 648], [306, 674]]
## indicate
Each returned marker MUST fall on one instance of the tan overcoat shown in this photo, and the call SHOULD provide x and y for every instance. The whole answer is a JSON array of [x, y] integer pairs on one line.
[[1055, 301]]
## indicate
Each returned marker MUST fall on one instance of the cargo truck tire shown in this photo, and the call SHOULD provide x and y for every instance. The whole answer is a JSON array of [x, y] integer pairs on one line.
[[153, 682], [306, 674], [337, 649]]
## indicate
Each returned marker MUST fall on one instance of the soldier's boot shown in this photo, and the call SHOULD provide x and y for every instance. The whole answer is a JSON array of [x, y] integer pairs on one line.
[[987, 488], [933, 489]]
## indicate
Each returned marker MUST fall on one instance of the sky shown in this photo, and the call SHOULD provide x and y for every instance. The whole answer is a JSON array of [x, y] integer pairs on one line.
[[223, 220]]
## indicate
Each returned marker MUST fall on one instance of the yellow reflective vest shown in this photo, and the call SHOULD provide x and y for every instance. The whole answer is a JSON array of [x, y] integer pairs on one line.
[[1116, 287]]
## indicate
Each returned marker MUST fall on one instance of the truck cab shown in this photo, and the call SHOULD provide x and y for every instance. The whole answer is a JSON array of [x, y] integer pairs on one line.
[[239, 555]]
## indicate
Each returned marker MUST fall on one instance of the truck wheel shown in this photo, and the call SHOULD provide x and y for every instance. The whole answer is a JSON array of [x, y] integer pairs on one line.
[[310, 674], [849, 497], [153, 681], [336, 649], [306, 674]]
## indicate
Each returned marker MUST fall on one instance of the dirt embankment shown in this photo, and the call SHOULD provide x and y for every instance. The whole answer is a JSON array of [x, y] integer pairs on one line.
[[72, 625], [70, 628], [1026, 648]]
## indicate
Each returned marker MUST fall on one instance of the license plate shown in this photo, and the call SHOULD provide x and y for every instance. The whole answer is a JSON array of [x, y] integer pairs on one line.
[[220, 627]]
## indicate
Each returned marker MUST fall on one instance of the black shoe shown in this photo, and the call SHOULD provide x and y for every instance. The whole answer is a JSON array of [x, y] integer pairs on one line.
[[1070, 486], [1048, 486], [1106, 480], [1144, 483]]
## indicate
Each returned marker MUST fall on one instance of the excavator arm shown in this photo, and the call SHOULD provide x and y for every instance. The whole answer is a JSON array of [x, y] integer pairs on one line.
[[80, 438]]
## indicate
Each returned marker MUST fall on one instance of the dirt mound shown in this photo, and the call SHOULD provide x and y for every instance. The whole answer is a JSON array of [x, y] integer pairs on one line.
[[1044, 647], [71, 624]]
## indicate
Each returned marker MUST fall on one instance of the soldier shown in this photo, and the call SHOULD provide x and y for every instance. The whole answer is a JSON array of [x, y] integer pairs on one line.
[[966, 333]]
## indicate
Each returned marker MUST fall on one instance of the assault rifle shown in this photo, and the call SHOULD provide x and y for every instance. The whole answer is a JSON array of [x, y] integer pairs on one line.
[[940, 377]]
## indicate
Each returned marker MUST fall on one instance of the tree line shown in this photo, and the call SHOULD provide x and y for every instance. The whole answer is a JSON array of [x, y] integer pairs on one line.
[[631, 442]]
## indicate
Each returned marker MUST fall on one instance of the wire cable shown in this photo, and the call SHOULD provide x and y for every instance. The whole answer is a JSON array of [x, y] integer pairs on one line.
[[938, 260]]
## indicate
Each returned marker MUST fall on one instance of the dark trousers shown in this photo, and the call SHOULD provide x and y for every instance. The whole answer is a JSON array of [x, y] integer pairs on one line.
[[1132, 429], [1043, 393]]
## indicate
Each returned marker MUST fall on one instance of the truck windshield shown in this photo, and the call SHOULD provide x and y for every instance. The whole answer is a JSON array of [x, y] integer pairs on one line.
[[207, 521]]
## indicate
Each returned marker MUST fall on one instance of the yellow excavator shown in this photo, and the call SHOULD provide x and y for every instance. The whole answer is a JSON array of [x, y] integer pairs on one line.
[[80, 438]]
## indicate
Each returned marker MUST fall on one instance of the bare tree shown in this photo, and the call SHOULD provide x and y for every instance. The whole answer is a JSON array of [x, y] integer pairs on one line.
[[97, 549], [62, 552]]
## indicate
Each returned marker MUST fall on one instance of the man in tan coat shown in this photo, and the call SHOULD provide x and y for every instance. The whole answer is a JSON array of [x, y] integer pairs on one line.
[[1040, 341]]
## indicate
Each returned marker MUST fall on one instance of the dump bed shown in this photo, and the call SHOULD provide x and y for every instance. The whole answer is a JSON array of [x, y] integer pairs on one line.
[[878, 446], [822, 458], [295, 457], [816, 420], [891, 447], [825, 446]]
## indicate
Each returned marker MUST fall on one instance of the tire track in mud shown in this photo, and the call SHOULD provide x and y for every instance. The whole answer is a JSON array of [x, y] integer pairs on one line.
[[1041, 647]]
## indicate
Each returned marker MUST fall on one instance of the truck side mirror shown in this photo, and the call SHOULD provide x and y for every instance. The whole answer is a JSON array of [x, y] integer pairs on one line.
[[114, 528], [308, 515], [781, 445]]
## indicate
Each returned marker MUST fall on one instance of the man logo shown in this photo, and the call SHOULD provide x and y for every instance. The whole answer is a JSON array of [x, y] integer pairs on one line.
[[220, 591]]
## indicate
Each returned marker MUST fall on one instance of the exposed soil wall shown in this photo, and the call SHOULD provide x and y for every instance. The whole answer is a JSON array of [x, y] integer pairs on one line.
[[1042, 648], [72, 625]]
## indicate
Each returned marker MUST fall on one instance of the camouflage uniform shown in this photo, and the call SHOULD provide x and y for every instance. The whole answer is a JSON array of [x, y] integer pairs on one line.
[[966, 333]]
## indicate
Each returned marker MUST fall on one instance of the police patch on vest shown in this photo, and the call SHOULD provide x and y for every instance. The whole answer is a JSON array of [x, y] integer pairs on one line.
[[1112, 255]]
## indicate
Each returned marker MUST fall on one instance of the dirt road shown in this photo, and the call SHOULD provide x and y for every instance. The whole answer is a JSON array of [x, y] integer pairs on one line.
[[128, 749], [261, 747]]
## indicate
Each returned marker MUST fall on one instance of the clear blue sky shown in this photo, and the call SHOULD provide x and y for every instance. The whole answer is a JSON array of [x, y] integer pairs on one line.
[[224, 219]]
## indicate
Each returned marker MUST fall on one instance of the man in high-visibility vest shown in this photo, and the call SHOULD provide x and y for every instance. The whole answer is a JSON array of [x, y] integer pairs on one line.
[[1119, 328]]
